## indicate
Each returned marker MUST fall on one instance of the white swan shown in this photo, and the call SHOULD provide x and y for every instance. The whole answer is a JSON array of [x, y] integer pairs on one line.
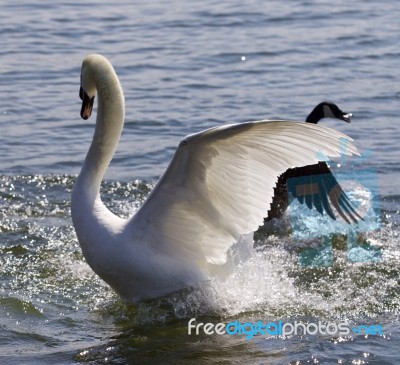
[[217, 188]]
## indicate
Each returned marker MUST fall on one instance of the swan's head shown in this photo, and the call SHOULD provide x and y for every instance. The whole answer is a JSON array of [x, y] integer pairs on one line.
[[97, 75], [87, 90]]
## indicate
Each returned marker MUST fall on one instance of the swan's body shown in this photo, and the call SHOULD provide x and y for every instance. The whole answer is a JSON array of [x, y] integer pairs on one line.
[[318, 175], [217, 188]]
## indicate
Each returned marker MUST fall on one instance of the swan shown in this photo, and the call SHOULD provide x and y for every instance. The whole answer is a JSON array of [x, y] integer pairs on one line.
[[217, 188], [318, 174]]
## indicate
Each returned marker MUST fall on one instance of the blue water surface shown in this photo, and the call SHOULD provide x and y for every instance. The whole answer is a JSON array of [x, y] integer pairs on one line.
[[186, 66]]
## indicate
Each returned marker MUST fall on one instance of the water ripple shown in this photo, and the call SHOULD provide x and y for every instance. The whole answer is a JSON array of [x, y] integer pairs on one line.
[[185, 67]]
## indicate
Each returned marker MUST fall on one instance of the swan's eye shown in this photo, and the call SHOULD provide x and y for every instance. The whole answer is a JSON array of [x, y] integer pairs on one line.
[[81, 93]]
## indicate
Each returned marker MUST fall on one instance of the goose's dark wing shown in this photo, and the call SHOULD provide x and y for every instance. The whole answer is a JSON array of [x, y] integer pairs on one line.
[[316, 186]]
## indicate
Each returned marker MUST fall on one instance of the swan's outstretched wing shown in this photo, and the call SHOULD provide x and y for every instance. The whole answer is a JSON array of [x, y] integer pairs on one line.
[[220, 182]]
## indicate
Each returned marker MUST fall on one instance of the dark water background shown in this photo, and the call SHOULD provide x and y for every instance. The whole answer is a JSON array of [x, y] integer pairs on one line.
[[185, 67]]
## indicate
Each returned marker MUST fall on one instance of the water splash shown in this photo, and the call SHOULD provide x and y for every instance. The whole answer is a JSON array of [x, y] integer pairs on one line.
[[42, 263]]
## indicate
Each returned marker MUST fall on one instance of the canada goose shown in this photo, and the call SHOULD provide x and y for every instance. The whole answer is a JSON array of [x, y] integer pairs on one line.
[[318, 175]]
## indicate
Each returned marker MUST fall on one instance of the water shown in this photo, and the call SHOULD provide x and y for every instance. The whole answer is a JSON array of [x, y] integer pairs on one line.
[[185, 67]]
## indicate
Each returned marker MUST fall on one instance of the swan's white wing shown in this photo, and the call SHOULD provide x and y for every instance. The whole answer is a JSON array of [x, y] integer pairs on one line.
[[219, 185]]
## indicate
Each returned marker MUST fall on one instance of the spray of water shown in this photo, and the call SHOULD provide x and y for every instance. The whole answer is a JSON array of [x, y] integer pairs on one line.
[[42, 264]]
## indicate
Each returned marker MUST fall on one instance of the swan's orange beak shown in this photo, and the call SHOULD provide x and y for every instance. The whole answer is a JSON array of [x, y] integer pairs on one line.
[[87, 104]]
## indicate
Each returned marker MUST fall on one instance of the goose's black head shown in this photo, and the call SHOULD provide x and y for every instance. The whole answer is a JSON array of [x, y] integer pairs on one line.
[[327, 109]]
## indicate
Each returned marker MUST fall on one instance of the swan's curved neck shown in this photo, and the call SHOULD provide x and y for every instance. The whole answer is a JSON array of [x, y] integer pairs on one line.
[[109, 124]]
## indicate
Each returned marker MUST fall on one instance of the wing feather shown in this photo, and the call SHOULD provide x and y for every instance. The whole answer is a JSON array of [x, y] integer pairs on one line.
[[220, 184]]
